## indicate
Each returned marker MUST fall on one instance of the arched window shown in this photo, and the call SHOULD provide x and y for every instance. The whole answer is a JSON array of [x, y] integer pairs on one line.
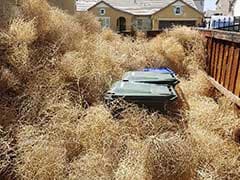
[[178, 10]]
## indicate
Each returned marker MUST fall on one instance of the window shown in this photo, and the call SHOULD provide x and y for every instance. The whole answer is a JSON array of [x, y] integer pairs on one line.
[[143, 24], [102, 12], [178, 10], [139, 24], [104, 21]]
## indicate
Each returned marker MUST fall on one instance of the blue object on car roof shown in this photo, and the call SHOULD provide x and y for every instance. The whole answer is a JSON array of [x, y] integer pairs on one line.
[[163, 70]]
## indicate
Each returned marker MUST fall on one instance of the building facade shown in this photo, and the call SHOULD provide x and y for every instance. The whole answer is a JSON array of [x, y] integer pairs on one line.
[[128, 15], [110, 17], [225, 7], [177, 13], [66, 5], [236, 8]]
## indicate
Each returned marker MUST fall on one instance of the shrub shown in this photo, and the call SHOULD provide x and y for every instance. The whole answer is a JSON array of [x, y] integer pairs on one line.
[[52, 82], [91, 166], [38, 157]]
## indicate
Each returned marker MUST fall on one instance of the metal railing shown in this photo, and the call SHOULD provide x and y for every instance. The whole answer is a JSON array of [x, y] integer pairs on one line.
[[227, 25]]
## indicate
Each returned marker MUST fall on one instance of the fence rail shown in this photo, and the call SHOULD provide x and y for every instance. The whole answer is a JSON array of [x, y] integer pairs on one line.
[[235, 28], [227, 24], [223, 60]]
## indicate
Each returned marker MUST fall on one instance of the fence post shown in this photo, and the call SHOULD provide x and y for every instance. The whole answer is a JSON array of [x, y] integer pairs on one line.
[[224, 22]]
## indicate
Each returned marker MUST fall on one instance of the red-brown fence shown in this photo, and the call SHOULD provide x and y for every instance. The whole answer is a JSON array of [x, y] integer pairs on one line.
[[223, 59]]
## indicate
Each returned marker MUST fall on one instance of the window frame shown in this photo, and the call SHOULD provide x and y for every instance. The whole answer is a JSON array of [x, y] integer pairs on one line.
[[104, 21], [139, 24], [100, 11], [175, 8]]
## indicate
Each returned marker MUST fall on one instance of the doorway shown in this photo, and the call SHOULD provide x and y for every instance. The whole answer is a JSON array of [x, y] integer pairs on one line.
[[121, 24]]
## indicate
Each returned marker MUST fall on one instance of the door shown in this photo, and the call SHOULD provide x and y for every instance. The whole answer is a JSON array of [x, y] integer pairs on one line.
[[121, 24]]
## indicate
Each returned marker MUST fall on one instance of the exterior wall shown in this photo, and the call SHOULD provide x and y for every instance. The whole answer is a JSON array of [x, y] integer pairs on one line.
[[111, 15], [168, 15], [224, 6], [114, 14], [236, 8], [68, 5]]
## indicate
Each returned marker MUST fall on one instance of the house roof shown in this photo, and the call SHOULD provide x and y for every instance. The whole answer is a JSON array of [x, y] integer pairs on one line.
[[210, 13], [135, 7]]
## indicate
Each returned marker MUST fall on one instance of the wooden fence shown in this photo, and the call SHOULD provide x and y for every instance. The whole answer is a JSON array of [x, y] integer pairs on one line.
[[223, 61]]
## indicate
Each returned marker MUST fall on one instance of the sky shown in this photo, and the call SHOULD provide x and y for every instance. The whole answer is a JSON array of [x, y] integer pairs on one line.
[[209, 5]]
